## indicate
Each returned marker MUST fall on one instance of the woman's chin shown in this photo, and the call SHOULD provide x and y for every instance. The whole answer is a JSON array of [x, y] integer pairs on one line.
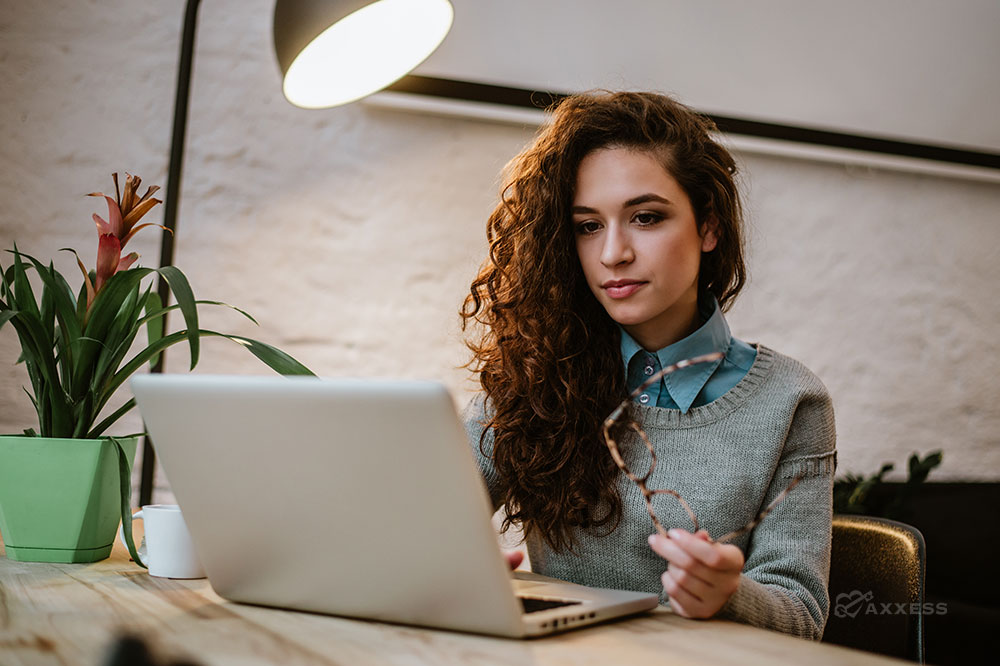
[[625, 314]]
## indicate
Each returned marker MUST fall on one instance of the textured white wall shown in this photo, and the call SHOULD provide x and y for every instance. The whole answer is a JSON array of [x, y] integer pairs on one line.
[[851, 65], [352, 233]]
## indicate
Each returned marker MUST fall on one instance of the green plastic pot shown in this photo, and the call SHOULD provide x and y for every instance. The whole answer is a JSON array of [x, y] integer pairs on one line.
[[61, 499]]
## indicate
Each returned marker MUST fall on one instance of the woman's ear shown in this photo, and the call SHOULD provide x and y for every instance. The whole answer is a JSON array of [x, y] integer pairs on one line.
[[709, 234]]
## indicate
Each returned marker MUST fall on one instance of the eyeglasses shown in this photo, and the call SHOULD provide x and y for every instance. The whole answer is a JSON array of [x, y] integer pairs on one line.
[[640, 481]]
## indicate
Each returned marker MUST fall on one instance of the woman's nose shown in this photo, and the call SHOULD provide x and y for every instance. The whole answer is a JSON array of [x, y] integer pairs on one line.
[[617, 248]]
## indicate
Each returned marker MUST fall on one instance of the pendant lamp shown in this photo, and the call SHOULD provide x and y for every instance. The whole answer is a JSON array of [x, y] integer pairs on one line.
[[333, 52]]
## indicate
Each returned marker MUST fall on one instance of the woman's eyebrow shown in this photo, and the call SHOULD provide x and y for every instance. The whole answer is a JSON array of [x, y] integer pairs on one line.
[[634, 201], [646, 198]]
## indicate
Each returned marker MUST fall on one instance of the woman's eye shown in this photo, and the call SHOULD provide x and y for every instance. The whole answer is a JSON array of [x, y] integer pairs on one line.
[[647, 219], [588, 227]]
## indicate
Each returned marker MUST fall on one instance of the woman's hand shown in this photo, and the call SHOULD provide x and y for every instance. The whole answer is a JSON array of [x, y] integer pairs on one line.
[[702, 574], [514, 558]]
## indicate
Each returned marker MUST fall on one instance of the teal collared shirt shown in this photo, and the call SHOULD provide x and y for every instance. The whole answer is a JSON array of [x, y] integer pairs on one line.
[[695, 385]]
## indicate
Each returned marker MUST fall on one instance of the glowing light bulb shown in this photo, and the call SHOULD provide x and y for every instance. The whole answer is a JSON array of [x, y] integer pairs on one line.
[[366, 51]]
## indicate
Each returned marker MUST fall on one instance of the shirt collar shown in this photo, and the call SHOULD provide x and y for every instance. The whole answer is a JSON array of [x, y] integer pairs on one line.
[[629, 347], [685, 384]]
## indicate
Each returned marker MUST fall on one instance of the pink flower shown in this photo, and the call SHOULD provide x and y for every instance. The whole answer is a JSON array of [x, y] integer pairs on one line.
[[124, 211], [109, 259]]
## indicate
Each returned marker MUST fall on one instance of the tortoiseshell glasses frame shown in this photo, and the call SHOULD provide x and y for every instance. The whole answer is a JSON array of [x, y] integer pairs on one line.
[[640, 481]]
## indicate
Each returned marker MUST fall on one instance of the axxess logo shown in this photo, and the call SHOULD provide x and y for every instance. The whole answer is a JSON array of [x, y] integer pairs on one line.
[[856, 602]]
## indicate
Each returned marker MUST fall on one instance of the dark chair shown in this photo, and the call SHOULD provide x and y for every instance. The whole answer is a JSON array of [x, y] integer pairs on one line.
[[877, 587]]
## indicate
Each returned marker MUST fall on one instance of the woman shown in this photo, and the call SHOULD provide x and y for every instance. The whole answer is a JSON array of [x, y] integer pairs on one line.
[[614, 251]]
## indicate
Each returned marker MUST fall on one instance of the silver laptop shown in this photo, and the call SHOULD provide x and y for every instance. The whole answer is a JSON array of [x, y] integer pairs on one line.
[[349, 497]]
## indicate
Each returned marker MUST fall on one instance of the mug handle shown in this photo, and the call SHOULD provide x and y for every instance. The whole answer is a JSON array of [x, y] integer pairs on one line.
[[142, 548]]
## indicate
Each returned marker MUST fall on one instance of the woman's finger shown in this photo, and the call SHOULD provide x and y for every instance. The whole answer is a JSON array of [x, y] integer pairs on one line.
[[669, 550], [716, 556], [681, 601], [696, 587]]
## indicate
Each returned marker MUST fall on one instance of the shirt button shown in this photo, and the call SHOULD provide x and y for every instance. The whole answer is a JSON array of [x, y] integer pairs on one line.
[[644, 398], [648, 370]]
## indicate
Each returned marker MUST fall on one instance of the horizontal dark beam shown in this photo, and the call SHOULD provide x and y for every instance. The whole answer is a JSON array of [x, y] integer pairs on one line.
[[534, 99]]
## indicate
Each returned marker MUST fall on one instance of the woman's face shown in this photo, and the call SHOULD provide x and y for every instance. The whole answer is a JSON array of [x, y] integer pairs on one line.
[[639, 245]]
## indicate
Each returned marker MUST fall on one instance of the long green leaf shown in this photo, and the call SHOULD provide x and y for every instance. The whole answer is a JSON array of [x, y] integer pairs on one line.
[[90, 345], [154, 316], [99, 429], [81, 299], [101, 317], [34, 350], [108, 301], [33, 401], [151, 314], [134, 321], [118, 339], [155, 313], [154, 324], [64, 302], [24, 297], [64, 286], [69, 330], [273, 357], [125, 485], [185, 299], [84, 413], [42, 404], [7, 282], [37, 352], [110, 360], [48, 309], [47, 317], [4, 281]]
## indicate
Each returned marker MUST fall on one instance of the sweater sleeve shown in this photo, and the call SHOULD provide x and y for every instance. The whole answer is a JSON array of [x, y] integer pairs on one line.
[[784, 585], [474, 417]]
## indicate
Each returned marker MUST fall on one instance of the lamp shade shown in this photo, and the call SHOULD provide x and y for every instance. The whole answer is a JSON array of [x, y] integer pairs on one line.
[[336, 51]]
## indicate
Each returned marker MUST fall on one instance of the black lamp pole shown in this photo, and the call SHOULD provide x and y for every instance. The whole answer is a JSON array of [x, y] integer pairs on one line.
[[170, 202]]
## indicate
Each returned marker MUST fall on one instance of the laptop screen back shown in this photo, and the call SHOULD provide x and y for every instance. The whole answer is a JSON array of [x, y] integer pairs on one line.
[[351, 497]]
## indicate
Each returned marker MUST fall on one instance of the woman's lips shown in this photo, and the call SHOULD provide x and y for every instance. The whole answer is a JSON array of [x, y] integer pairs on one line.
[[621, 288]]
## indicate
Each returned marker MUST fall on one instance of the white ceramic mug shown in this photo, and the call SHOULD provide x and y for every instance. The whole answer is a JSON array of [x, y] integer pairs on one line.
[[167, 549]]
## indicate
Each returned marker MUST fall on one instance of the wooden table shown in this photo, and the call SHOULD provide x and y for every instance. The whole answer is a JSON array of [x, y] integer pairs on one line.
[[71, 614]]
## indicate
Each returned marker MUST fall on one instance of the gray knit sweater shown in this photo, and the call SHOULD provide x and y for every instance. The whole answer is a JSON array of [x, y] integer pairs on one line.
[[728, 459]]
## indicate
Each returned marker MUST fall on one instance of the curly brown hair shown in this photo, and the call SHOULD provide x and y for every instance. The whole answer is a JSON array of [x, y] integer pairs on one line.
[[546, 352]]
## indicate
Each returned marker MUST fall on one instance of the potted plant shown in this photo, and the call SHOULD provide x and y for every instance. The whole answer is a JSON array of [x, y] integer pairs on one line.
[[64, 487], [871, 496]]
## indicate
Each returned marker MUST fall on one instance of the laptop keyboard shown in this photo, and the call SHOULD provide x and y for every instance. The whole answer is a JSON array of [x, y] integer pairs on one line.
[[534, 604]]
